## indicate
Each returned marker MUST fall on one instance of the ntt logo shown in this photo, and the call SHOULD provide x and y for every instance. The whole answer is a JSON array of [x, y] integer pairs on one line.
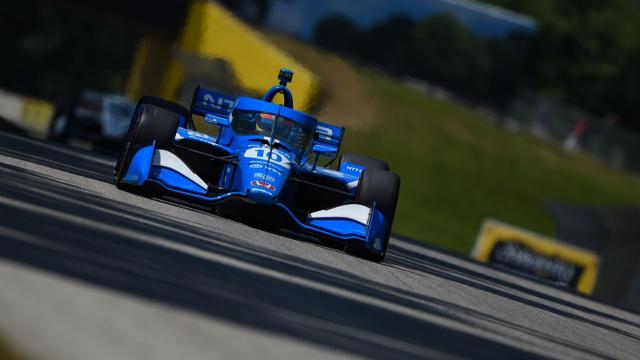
[[354, 169]]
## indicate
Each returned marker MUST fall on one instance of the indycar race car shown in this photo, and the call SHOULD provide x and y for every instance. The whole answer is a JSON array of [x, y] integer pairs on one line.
[[261, 167]]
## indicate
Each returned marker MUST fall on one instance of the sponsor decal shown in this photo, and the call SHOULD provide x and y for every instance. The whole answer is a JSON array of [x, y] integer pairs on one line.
[[263, 191], [216, 120], [200, 136], [217, 103], [277, 158], [275, 171], [265, 177], [522, 258], [324, 133], [523, 251], [354, 169], [263, 184]]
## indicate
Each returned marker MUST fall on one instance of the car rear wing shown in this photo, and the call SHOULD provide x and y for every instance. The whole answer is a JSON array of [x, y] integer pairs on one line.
[[329, 136], [206, 101]]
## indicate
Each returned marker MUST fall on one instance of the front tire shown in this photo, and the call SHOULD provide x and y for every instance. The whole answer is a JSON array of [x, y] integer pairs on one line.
[[154, 120], [59, 128], [381, 188]]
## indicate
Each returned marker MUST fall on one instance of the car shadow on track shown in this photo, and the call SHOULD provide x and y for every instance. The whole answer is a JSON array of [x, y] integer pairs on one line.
[[96, 240]]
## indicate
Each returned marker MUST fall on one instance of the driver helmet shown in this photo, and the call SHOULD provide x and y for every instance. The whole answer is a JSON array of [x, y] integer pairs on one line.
[[265, 122]]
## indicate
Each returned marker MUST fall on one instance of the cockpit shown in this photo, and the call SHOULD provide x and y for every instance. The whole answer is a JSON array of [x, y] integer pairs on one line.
[[248, 122]]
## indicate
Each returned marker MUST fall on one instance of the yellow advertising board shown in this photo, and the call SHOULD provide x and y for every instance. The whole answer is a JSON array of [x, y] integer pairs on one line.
[[214, 44], [524, 251], [27, 113], [37, 115]]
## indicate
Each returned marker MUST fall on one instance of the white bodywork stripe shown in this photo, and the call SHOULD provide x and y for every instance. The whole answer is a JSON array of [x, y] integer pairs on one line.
[[355, 212], [353, 184], [168, 160]]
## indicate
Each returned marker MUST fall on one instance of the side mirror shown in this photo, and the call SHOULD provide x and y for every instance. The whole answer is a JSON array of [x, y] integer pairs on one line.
[[217, 120], [325, 150]]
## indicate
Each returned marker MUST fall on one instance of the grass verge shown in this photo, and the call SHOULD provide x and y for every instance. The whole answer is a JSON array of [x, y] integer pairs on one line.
[[456, 167]]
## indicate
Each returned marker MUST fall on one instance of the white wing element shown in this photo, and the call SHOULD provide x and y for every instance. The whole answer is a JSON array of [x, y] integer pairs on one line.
[[353, 184], [168, 160], [355, 212]]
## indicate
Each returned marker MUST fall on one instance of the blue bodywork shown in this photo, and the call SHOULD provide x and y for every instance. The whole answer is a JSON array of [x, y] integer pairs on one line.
[[266, 176]]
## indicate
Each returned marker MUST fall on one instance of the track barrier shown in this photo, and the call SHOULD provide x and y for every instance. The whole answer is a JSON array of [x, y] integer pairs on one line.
[[27, 113], [526, 252]]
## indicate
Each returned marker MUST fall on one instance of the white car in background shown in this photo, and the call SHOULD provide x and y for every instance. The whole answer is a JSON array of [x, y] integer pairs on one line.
[[97, 118]]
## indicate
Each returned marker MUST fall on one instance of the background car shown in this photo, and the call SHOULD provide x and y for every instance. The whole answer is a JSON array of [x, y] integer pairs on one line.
[[100, 119]]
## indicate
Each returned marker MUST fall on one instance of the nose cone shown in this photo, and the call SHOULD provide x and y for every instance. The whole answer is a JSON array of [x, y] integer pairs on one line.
[[264, 174], [261, 196]]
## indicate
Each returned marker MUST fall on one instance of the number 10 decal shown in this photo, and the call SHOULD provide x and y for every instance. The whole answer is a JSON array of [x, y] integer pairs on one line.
[[263, 154]]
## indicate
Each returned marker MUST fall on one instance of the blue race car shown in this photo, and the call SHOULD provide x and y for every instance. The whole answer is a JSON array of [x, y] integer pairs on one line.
[[262, 167]]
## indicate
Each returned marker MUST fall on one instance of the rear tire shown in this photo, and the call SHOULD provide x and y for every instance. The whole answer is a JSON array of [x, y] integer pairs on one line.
[[363, 160], [154, 119]]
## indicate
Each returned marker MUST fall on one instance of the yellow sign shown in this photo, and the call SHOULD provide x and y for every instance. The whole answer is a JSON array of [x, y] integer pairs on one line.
[[213, 41], [525, 251], [36, 115]]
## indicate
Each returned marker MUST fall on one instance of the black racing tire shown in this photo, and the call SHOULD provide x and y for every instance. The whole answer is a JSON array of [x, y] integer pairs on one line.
[[381, 187], [363, 160], [59, 128], [154, 119]]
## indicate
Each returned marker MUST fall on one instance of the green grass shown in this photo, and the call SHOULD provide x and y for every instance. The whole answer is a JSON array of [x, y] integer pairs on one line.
[[456, 167]]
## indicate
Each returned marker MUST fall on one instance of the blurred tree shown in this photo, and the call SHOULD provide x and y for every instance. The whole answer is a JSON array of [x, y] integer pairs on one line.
[[338, 33], [626, 100], [445, 52], [58, 52], [438, 49], [512, 59], [586, 52], [390, 44]]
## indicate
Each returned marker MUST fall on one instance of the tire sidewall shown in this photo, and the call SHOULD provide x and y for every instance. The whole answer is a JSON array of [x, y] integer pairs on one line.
[[381, 187], [154, 120]]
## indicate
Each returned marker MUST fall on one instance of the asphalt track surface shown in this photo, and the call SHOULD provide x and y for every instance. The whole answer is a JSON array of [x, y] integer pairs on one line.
[[91, 272]]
